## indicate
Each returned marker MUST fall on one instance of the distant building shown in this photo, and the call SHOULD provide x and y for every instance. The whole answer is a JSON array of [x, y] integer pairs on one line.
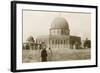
[[30, 44], [59, 36]]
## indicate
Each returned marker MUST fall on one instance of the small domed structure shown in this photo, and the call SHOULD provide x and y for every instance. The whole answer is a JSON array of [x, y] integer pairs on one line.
[[30, 39], [59, 22]]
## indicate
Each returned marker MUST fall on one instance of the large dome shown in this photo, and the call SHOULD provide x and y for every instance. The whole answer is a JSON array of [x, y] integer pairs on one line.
[[59, 22]]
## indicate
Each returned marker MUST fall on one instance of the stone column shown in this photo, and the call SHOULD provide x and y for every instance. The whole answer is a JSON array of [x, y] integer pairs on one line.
[[68, 44]]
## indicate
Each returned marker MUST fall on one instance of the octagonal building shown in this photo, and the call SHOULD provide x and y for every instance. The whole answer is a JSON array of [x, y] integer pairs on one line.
[[59, 36]]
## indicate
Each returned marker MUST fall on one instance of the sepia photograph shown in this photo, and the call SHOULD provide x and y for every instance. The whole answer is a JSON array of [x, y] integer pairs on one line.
[[56, 36], [48, 36]]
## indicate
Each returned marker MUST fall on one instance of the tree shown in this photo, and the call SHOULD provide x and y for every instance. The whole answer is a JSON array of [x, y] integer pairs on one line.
[[87, 43], [27, 47], [30, 41]]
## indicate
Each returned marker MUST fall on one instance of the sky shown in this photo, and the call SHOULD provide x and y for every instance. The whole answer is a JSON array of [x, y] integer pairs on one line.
[[37, 23]]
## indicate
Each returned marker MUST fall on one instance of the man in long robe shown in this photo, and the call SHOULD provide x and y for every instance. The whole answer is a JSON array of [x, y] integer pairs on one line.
[[44, 55]]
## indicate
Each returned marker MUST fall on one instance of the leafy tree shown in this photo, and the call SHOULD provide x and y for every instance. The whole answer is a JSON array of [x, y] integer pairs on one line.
[[30, 41], [87, 43]]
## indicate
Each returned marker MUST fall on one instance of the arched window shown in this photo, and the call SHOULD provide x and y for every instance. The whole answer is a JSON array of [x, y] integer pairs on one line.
[[61, 31], [55, 41], [64, 41], [52, 41]]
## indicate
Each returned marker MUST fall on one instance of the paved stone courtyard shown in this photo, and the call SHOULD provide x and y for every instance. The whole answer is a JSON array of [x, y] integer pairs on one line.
[[29, 56]]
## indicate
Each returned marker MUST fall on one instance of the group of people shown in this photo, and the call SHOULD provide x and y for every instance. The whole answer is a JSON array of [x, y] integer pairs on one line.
[[46, 54]]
